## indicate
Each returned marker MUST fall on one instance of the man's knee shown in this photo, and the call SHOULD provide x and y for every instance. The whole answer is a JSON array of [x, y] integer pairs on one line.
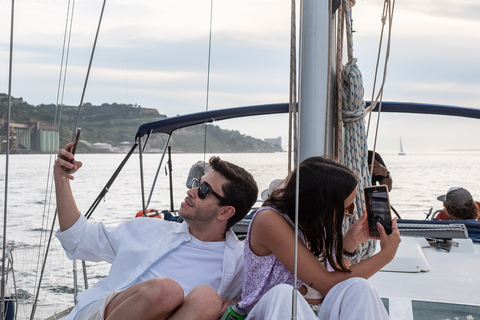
[[158, 296], [162, 291], [205, 294], [205, 301]]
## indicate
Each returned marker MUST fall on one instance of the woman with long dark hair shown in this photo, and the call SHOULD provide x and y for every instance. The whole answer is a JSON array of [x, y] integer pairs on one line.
[[327, 191]]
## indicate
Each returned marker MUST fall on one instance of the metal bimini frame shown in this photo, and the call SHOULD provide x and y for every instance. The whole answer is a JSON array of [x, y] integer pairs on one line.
[[169, 125]]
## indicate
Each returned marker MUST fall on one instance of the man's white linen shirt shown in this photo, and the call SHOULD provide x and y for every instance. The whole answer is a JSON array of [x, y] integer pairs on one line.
[[133, 247]]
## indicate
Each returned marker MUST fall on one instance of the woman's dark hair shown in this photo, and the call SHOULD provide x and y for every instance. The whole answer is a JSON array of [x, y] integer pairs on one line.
[[468, 212], [324, 184], [240, 191]]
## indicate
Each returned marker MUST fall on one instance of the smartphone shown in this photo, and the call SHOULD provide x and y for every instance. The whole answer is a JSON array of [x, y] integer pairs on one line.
[[74, 147], [378, 209]]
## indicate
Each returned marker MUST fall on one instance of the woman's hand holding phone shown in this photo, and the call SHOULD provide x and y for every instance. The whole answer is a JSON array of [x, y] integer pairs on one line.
[[389, 243], [357, 233]]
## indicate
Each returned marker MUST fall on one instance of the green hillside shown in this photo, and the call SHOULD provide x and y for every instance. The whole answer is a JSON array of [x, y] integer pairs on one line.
[[117, 123]]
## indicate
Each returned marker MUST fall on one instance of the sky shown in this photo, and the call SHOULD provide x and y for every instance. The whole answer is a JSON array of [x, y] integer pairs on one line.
[[155, 54]]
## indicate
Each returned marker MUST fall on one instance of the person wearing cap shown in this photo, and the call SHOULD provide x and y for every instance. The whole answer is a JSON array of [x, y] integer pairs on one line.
[[459, 204]]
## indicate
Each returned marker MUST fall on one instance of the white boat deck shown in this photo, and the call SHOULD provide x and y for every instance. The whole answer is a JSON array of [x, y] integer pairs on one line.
[[424, 273]]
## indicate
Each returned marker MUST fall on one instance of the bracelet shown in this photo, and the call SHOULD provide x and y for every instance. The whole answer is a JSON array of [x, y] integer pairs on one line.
[[349, 255]]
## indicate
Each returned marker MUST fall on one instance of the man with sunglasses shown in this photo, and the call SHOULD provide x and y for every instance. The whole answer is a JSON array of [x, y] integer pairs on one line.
[[162, 269]]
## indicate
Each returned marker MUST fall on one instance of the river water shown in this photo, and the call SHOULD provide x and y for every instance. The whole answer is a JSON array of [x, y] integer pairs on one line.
[[418, 178]]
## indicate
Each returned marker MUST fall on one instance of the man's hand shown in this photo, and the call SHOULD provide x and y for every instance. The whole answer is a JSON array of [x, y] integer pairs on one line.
[[66, 160], [379, 170], [225, 304]]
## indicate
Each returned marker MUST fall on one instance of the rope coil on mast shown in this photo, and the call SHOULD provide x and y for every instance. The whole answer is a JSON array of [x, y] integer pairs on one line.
[[353, 114], [355, 147]]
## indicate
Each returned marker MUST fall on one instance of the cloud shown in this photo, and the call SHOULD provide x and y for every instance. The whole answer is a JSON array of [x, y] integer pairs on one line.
[[155, 54]]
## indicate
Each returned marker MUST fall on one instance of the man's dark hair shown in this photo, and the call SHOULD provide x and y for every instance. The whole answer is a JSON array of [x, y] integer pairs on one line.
[[468, 212], [241, 191]]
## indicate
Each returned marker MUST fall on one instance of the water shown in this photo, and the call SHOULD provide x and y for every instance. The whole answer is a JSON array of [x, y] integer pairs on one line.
[[418, 178]]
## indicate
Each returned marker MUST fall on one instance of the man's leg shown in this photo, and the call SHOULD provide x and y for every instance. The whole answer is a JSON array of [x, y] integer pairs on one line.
[[154, 299], [202, 303]]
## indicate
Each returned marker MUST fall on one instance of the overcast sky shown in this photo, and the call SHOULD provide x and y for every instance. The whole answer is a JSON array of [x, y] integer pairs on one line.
[[155, 54]]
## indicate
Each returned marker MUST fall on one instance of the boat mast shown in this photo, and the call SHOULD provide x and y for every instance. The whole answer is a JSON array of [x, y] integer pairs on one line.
[[315, 103], [315, 130]]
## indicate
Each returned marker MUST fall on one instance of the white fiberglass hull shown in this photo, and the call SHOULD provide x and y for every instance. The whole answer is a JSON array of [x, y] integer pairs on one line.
[[425, 282]]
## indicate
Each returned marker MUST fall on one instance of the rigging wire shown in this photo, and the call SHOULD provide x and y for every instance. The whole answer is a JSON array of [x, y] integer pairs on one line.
[[73, 134], [297, 181], [208, 80], [388, 10], [7, 152], [89, 68], [57, 124]]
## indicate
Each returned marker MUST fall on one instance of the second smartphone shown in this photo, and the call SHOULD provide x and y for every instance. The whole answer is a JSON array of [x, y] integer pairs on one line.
[[378, 209]]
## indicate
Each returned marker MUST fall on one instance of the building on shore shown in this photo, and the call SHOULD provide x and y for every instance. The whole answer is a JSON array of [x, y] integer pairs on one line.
[[101, 147], [30, 137], [274, 141]]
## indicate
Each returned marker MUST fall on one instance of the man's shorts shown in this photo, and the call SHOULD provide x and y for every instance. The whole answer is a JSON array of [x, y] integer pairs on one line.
[[96, 310]]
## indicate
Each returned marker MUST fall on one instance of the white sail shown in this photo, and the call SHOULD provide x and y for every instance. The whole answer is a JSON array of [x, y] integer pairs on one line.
[[402, 153]]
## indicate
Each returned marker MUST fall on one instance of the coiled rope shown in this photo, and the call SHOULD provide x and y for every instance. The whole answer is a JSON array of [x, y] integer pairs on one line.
[[355, 148], [353, 112]]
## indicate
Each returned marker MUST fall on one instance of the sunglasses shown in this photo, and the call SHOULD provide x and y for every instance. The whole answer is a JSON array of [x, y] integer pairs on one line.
[[204, 189]]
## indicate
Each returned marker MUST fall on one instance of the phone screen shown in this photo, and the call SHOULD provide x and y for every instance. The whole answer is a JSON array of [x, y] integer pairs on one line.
[[378, 209], [74, 147]]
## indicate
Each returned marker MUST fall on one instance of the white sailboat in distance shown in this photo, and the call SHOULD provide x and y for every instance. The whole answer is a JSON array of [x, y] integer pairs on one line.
[[402, 153]]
